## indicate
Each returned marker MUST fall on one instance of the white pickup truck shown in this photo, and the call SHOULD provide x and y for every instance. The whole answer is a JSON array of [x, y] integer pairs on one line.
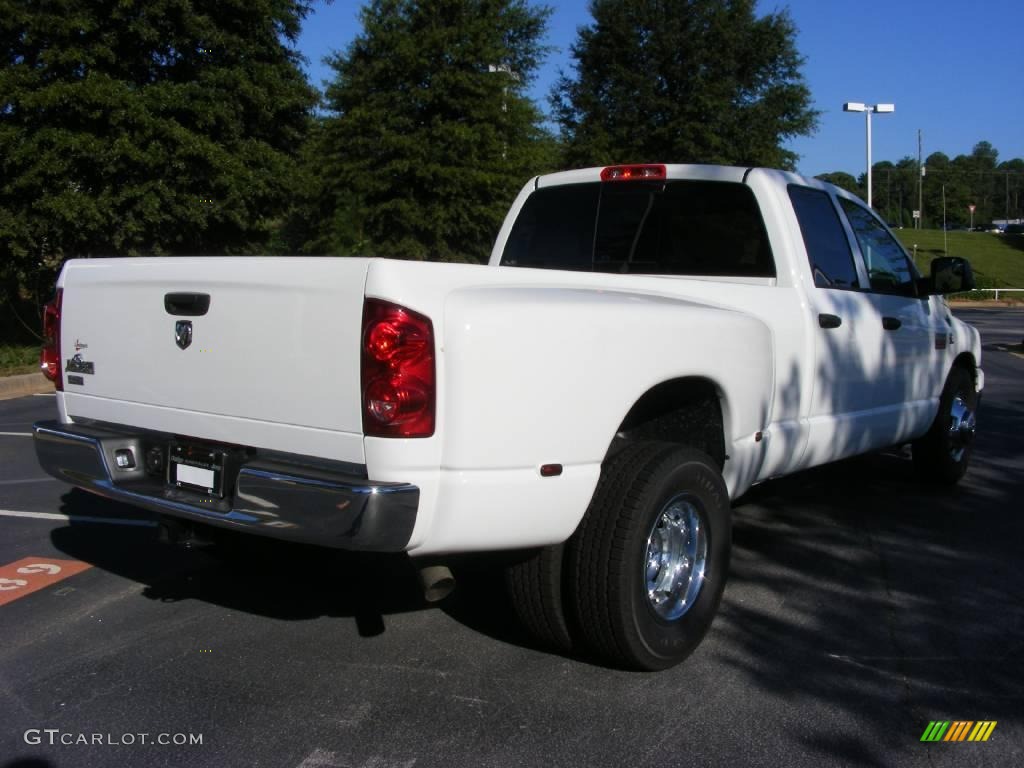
[[646, 343]]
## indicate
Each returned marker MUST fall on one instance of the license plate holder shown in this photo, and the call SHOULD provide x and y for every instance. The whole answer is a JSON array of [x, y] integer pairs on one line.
[[199, 468]]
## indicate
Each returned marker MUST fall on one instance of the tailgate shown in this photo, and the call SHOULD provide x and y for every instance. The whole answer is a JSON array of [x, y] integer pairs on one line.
[[278, 344]]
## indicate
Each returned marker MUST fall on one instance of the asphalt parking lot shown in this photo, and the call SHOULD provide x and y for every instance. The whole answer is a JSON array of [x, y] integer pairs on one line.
[[861, 606]]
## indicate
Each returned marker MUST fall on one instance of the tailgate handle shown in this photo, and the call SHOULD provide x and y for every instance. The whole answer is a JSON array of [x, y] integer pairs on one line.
[[187, 304], [891, 323]]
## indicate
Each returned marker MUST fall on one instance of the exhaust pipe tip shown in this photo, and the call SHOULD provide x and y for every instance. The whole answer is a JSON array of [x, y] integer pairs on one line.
[[437, 582]]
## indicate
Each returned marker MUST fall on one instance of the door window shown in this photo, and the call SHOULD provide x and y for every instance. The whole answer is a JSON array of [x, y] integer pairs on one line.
[[828, 250], [889, 269]]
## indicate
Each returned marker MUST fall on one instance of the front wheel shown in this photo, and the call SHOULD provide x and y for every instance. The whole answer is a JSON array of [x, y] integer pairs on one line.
[[942, 455], [649, 561]]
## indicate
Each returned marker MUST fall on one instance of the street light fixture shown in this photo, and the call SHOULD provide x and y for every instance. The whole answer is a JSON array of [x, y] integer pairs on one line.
[[867, 109]]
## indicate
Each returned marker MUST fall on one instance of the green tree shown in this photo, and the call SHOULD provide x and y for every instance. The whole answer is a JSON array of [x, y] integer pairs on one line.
[[904, 192], [842, 180], [684, 81], [145, 127], [984, 156], [937, 172], [963, 181], [887, 179], [432, 133], [1009, 183], [982, 182], [960, 183], [974, 179]]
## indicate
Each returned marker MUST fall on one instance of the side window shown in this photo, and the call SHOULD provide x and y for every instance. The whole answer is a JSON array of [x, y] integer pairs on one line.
[[827, 247], [889, 269], [682, 228], [555, 229], [661, 228]]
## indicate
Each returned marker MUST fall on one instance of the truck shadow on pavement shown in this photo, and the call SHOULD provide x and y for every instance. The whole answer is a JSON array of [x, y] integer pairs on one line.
[[862, 595], [275, 579], [272, 578]]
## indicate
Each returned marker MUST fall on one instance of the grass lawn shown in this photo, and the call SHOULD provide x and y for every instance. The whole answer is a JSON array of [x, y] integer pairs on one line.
[[18, 359], [997, 260]]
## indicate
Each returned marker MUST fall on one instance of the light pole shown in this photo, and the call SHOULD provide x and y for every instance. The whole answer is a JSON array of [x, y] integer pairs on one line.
[[507, 70], [867, 109]]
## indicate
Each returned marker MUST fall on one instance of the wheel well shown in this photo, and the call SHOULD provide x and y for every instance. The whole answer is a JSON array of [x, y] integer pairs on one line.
[[684, 411], [965, 360]]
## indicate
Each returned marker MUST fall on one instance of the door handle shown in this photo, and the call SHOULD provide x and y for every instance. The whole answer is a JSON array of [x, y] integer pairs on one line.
[[829, 321], [187, 304], [891, 323]]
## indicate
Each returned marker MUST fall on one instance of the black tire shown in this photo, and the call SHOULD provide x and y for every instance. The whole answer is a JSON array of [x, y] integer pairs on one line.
[[942, 455], [535, 588], [608, 555]]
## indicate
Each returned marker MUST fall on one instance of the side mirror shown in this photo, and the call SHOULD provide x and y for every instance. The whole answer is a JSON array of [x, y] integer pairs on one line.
[[951, 274]]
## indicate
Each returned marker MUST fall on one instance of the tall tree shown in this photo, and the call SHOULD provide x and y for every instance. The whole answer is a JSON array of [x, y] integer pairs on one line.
[[983, 191], [984, 156], [684, 81], [937, 172], [147, 126], [1009, 182], [904, 193], [432, 132], [842, 180]]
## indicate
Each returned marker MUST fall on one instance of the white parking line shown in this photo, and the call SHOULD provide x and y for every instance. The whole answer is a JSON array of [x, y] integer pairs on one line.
[[16, 434], [45, 394], [78, 518]]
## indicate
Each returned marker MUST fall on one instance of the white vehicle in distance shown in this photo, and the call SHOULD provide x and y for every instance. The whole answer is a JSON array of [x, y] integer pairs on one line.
[[646, 343]]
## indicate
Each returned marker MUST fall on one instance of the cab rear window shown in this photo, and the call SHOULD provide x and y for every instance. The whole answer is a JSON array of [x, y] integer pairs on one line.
[[660, 228]]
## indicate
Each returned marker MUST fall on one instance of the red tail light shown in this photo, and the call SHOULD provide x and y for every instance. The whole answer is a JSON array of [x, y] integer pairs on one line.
[[49, 356], [634, 173], [398, 378]]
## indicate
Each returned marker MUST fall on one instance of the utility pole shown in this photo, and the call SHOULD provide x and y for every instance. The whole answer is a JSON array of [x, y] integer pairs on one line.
[[920, 178], [945, 232]]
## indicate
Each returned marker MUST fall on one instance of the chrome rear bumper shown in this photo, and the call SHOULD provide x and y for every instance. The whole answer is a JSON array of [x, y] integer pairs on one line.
[[309, 502]]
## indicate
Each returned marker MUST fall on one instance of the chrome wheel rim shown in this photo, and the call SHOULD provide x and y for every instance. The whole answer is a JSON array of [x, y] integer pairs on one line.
[[962, 426], [677, 550]]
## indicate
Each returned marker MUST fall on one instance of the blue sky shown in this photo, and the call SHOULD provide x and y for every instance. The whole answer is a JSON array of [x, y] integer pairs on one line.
[[953, 68]]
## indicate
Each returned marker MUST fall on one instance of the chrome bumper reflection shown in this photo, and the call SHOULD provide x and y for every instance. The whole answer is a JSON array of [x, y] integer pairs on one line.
[[282, 500]]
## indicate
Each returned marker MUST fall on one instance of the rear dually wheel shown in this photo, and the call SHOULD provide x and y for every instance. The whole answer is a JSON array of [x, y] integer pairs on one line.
[[647, 566]]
